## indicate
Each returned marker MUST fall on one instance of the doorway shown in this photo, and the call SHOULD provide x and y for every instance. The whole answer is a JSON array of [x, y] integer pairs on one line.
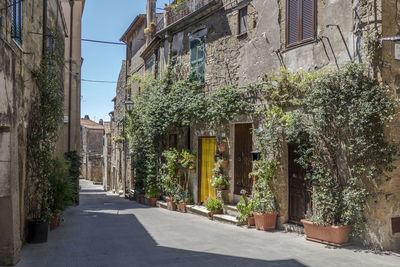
[[298, 197], [243, 161], [207, 149]]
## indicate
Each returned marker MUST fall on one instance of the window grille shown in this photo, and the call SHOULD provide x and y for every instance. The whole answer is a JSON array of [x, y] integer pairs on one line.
[[16, 21]]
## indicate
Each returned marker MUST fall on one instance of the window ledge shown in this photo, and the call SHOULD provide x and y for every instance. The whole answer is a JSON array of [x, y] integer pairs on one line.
[[242, 35], [18, 44], [291, 47]]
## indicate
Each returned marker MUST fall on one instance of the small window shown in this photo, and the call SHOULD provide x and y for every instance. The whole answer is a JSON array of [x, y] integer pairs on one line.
[[197, 57], [243, 20], [300, 21], [16, 21], [150, 63]]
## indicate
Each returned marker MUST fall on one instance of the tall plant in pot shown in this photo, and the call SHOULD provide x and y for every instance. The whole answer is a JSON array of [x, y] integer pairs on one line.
[[169, 179], [264, 204], [245, 208]]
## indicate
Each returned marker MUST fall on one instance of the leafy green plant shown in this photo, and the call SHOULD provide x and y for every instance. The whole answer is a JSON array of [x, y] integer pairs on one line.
[[245, 207], [44, 120], [62, 192], [213, 204], [188, 160], [219, 180], [153, 191]]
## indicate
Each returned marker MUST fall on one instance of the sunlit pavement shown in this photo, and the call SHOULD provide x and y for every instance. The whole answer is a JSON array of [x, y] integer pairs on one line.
[[106, 230]]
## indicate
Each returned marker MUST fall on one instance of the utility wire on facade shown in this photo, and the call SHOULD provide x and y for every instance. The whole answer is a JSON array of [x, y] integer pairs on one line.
[[102, 42]]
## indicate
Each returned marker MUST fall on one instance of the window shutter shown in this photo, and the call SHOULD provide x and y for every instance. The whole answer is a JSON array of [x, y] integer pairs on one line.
[[197, 57], [308, 19], [293, 21]]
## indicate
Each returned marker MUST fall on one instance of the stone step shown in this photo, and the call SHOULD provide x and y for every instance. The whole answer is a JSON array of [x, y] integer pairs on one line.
[[291, 227], [161, 204], [231, 210], [201, 210]]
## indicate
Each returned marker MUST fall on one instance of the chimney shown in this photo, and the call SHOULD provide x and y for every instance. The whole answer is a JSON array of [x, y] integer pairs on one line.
[[87, 117], [151, 14], [101, 122]]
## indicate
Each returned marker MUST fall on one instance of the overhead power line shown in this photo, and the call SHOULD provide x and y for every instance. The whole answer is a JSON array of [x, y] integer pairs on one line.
[[97, 81], [102, 42]]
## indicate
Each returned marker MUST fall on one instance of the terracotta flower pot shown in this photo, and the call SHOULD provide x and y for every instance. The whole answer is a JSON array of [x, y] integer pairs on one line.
[[212, 213], [153, 201], [193, 171], [251, 221], [332, 235], [171, 204], [222, 147], [225, 164], [182, 207], [55, 221], [222, 187], [265, 221], [167, 8]]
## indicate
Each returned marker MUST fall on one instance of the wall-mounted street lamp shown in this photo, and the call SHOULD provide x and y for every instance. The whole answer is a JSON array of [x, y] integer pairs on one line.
[[129, 105], [255, 155]]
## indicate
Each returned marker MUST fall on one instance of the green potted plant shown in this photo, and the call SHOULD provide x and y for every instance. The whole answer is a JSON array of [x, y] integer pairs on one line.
[[214, 206], [167, 7], [153, 194], [220, 182], [183, 198], [222, 145], [245, 208], [188, 161], [264, 209], [152, 27]]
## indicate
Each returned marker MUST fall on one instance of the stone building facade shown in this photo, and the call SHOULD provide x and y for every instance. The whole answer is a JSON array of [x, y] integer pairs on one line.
[[23, 40], [92, 135], [243, 40]]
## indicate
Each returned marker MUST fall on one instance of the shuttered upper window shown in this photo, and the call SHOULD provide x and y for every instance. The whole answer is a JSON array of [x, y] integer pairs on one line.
[[300, 21]]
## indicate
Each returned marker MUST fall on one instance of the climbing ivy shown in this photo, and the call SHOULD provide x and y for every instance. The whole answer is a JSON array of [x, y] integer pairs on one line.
[[45, 118]]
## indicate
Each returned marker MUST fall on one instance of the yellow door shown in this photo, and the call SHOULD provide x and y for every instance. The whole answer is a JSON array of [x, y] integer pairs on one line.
[[208, 149]]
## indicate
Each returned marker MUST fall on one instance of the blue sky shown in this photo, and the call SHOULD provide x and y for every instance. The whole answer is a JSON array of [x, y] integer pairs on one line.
[[105, 20]]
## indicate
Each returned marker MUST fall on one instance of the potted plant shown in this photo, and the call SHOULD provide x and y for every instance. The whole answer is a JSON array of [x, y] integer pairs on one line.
[[167, 7], [183, 199], [152, 27], [214, 206], [222, 145], [220, 182], [147, 31], [188, 160], [245, 208], [153, 194], [264, 209]]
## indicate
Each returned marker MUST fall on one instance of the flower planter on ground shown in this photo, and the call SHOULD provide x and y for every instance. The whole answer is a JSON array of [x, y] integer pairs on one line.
[[332, 235], [171, 204], [265, 221], [182, 207], [212, 213], [251, 222], [153, 201], [55, 221], [37, 231]]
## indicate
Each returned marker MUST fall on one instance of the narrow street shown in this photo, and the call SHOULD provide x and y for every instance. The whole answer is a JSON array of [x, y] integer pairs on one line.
[[106, 230]]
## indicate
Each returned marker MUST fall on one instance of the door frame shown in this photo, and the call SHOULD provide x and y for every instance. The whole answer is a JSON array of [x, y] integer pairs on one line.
[[199, 159]]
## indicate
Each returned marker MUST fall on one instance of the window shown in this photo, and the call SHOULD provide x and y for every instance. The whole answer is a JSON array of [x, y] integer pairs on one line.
[[149, 65], [300, 21], [197, 57], [51, 44], [16, 20], [243, 20]]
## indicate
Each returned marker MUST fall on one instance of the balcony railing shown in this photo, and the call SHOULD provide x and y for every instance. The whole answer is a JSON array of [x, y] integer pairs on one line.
[[186, 8]]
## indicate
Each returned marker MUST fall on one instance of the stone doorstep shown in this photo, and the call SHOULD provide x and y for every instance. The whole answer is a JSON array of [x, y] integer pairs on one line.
[[231, 210], [291, 227]]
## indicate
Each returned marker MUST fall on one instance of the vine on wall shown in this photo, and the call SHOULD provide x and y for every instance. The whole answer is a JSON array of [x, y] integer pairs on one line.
[[45, 118]]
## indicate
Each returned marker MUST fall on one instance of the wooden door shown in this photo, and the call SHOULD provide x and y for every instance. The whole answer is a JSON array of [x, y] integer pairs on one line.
[[297, 187], [208, 147], [243, 160]]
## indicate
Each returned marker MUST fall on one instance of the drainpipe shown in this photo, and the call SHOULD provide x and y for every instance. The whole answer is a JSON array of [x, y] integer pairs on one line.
[[44, 31], [71, 2]]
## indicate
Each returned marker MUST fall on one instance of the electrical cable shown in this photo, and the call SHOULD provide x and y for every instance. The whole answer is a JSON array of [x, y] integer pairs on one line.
[[102, 42]]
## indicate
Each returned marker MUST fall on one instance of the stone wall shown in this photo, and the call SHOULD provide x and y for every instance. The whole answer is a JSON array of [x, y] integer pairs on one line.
[[17, 93]]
